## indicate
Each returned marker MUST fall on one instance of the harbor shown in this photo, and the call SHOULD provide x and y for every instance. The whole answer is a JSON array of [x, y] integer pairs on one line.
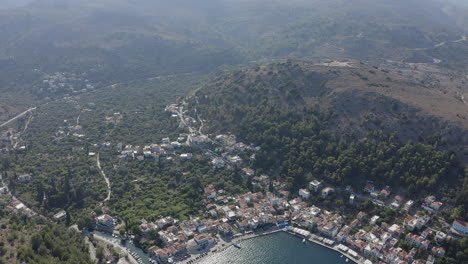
[[306, 241], [277, 247]]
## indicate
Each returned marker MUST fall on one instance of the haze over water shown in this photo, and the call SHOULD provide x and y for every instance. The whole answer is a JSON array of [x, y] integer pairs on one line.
[[278, 248]]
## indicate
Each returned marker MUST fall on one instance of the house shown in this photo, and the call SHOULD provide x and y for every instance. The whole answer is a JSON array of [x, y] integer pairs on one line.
[[304, 194], [218, 163], [176, 144], [225, 229], [186, 156], [344, 233], [431, 204], [105, 223], [426, 233], [408, 205], [315, 185], [440, 236], [385, 192], [369, 188], [235, 159], [60, 216], [439, 251], [161, 255], [460, 227], [25, 178], [4, 190], [247, 172], [328, 229], [200, 242], [108, 256], [374, 219], [397, 200], [361, 215], [418, 241], [327, 191]]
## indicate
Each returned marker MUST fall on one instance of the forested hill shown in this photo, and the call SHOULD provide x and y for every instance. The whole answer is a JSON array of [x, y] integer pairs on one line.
[[309, 124]]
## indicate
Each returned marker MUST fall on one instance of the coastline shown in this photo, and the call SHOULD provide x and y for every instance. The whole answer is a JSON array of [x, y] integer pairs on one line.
[[219, 248], [197, 258], [334, 248]]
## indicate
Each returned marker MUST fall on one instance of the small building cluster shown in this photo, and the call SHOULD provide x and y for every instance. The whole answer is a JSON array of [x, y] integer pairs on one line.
[[64, 83]]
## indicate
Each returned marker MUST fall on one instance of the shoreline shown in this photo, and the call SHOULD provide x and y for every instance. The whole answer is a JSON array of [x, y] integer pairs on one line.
[[219, 249], [334, 248]]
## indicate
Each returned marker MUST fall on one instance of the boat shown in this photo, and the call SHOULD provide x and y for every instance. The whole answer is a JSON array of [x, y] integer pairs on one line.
[[347, 259], [236, 245], [303, 240], [341, 256]]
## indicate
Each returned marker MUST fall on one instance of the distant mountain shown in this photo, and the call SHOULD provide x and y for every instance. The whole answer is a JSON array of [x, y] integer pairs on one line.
[[112, 41], [6, 4]]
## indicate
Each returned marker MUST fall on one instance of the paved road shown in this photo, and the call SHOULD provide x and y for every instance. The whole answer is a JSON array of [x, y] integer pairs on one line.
[[18, 116]]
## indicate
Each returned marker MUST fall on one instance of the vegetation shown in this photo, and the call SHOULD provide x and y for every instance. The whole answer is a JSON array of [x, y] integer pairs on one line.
[[25, 240], [298, 142], [64, 176]]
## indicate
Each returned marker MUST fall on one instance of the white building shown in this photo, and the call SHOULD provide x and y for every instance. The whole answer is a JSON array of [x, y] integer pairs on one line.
[[218, 163], [315, 185], [304, 194], [186, 156]]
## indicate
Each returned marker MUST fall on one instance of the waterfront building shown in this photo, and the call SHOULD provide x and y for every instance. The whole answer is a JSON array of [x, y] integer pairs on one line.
[[105, 223]]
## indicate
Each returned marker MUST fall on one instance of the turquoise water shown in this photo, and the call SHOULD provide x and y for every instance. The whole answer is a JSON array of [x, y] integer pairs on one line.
[[277, 248]]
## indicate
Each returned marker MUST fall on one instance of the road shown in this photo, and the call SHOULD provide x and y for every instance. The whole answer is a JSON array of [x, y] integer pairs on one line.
[[18, 116], [109, 191], [438, 45]]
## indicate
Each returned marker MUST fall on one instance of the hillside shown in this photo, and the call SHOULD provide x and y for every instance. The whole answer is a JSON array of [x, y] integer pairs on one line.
[[413, 102], [344, 122], [27, 240]]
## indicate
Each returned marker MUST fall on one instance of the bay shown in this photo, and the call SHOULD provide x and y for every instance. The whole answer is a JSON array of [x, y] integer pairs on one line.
[[277, 248]]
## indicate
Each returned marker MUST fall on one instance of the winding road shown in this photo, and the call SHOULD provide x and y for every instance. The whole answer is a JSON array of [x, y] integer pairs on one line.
[[109, 191]]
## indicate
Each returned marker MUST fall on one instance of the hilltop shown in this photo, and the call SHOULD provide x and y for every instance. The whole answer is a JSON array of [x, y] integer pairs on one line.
[[415, 102]]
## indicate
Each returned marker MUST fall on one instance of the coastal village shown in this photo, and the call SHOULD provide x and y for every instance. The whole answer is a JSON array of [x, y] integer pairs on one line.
[[229, 219]]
